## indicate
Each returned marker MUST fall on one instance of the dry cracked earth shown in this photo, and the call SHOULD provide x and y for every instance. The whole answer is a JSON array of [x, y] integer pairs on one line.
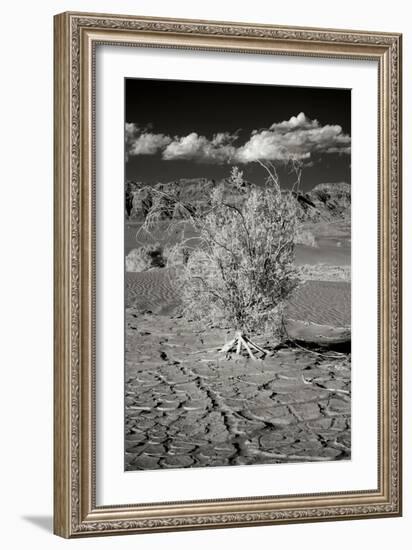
[[186, 405]]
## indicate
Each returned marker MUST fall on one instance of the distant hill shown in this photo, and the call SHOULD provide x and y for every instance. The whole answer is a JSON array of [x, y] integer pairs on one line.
[[325, 202]]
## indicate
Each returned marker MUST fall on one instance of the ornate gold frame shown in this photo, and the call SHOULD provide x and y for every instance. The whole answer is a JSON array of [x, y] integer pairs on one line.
[[75, 510]]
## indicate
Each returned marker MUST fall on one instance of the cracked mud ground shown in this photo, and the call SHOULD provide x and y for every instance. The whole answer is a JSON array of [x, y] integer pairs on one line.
[[188, 406]]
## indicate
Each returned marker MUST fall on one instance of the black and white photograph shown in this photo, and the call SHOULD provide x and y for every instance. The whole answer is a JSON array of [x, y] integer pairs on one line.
[[237, 261]]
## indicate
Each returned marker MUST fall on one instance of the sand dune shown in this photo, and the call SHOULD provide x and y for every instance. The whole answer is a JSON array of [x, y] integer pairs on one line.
[[323, 303], [320, 302], [151, 290]]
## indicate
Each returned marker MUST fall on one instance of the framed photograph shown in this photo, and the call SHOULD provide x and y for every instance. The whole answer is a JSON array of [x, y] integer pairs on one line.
[[227, 274]]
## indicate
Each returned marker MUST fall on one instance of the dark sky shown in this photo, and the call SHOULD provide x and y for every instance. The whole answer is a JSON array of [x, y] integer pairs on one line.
[[181, 107]]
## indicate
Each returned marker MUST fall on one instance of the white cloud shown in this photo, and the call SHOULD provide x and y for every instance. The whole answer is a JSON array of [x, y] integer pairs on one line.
[[131, 129], [218, 150], [141, 142], [294, 123], [299, 137], [148, 144]]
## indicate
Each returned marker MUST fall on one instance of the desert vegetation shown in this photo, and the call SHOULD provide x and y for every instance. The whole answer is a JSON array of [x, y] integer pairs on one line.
[[238, 271], [145, 257], [306, 237]]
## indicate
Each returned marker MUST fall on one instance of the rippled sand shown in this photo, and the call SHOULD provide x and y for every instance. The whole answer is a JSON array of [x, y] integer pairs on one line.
[[323, 303], [320, 302]]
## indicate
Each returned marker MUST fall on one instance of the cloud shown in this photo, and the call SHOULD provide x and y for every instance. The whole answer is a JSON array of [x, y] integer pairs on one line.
[[218, 150], [141, 142], [148, 144], [299, 137], [131, 129], [294, 123]]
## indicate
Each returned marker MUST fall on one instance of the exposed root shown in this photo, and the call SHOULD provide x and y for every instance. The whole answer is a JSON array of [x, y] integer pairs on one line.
[[227, 347], [243, 341]]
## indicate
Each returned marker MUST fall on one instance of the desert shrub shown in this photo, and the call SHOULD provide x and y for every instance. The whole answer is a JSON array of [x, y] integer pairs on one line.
[[243, 273], [306, 237], [176, 255], [241, 270], [145, 257]]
